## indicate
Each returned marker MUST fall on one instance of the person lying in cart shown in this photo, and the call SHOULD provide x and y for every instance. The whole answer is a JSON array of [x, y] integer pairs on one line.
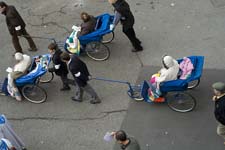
[[168, 72], [20, 69]]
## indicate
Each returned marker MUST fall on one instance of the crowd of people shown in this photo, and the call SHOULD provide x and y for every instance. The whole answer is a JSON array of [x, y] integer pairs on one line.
[[65, 63]]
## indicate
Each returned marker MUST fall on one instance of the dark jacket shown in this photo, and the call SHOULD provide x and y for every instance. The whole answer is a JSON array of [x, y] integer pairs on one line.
[[88, 27], [127, 18], [57, 61], [13, 19], [132, 145], [220, 110], [75, 66]]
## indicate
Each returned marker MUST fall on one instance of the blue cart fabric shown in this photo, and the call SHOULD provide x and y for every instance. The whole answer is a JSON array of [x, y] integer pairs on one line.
[[179, 84], [4, 88], [3, 145], [102, 28], [32, 76]]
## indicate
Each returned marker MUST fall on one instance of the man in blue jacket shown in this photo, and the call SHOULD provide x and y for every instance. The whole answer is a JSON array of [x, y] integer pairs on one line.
[[81, 76]]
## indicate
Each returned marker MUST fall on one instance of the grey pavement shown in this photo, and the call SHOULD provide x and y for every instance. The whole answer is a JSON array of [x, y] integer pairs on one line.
[[185, 28]]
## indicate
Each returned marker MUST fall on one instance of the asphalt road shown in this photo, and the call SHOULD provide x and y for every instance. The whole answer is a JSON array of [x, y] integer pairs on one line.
[[185, 28]]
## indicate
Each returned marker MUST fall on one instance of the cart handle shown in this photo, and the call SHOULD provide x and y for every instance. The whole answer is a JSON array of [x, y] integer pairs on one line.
[[115, 81]]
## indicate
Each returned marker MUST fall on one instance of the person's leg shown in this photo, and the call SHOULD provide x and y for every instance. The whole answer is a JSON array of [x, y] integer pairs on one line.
[[91, 91], [16, 44], [29, 39], [130, 33], [65, 83], [78, 93], [221, 130]]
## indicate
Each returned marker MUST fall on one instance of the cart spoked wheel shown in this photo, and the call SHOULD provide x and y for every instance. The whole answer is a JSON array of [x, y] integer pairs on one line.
[[34, 93], [135, 92], [181, 101], [193, 84], [97, 51], [107, 38], [47, 77]]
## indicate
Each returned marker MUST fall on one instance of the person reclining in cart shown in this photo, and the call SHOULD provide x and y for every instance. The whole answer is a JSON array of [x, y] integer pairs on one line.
[[19, 69], [88, 25], [168, 72]]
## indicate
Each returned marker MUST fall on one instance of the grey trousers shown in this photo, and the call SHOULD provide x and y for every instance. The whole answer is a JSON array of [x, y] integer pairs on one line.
[[221, 130], [79, 91]]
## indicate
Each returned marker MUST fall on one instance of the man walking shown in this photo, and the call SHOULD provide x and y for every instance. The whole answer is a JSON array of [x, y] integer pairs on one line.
[[16, 27], [125, 16], [126, 143], [81, 75], [219, 99], [60, 67]]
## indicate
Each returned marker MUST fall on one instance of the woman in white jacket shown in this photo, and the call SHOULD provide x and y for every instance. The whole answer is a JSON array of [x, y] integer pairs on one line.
[[168, 72], [20, 69]]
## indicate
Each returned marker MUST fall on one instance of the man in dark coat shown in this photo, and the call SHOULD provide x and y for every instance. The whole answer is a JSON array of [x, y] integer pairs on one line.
[[125, 16], [126, 142], [16, 27], [81, 76], [88, 24], [60, 67], [219, 111]]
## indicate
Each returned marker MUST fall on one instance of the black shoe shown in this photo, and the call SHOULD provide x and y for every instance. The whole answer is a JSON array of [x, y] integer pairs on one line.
[[95, 101], [76, 100], [65, 88], [137, 49], [24, 148]]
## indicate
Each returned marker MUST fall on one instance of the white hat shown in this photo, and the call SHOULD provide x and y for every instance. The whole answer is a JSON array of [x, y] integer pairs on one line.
[[19, 56]]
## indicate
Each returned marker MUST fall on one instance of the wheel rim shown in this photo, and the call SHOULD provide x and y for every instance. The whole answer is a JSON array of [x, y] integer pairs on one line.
[[181, 102], [34, 93], [136, 93], [193, 84], [97, 51], [47, 77], [107, 38]]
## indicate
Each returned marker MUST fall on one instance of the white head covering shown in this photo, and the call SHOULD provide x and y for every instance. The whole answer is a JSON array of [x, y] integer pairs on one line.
[[19, 56]]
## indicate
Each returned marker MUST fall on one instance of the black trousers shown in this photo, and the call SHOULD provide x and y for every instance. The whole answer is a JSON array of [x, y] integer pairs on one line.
[[130, 33], [16, 43], [79, 90], [64, 80]]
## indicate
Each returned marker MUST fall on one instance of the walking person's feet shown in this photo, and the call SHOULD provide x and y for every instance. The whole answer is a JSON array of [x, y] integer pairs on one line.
[[32, 49], [65, 88], [75, 99], [96, 101], [137, 49]]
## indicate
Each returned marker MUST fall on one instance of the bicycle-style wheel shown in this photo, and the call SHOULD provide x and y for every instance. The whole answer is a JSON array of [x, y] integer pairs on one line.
[[97, 51], [107, 38], [135, 93], [47, 77], [193, 84], [180, 101], [34, 93]]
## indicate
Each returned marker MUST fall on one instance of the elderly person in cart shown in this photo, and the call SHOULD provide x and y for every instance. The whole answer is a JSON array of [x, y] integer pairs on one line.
[[20, 69]]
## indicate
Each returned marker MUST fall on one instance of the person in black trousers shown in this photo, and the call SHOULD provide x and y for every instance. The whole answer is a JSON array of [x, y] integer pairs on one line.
[[59, 67], [125, 16], [16, 27], [81, 76]]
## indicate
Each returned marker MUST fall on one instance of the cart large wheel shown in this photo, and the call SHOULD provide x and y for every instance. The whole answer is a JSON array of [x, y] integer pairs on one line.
[[180, 101], [97, 51], [34, 93], [135, 93], [107, 38], [193, 84], [47, 77]]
